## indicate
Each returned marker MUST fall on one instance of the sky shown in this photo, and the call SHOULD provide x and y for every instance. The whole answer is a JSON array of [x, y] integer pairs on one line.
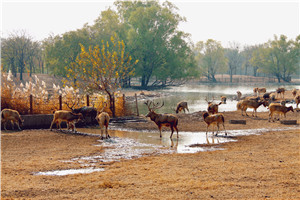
[[240, 21]]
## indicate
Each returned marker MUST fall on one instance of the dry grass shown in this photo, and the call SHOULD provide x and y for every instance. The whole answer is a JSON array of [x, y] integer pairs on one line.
[[256, 167], [46, 100]]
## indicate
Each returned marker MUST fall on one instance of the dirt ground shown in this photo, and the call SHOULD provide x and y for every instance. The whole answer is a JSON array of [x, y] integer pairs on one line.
[[256, 167]]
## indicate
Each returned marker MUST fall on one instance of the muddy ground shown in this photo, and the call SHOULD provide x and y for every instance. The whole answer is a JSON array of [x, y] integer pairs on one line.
[[256, 167]]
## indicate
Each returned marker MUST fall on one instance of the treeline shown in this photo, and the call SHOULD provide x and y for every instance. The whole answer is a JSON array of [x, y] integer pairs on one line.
[[150, 33]]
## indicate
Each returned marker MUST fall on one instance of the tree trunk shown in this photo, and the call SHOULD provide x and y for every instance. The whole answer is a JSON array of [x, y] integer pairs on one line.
[[112, 103]]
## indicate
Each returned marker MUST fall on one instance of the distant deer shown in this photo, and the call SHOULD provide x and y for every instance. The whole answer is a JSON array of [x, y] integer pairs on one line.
[[168, 120], [182, 106]]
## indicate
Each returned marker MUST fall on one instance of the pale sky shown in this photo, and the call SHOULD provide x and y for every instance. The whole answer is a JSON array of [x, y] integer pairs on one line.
[[242, 21]]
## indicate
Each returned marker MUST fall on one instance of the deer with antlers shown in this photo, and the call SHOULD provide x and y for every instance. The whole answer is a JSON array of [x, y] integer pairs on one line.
[[168, 120], [212, 108]]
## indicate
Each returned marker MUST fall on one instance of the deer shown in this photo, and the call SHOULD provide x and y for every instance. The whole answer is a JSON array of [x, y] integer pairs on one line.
[[258, 91], [214, 119], [223, 99], [9, 115], [212, 108], [182, 106], [294, 92], [67, 116], [297, 100], [86, 111], [239, 95], [250, 103], [279, 109], [103, 121], [280, 91], [168, 120]]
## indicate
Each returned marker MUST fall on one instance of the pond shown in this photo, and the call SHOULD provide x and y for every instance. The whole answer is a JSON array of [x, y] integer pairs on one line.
[[195, 96]]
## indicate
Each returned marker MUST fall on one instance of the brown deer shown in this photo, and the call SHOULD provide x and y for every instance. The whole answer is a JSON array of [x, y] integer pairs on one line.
[[212, 108], [103, 120], [182, 106], [297, 100], [168, 120], [278, 109], [239, 95], [215, 119], [294, 92], [280, 91], [67, 116], [9, 115], [250, 103]]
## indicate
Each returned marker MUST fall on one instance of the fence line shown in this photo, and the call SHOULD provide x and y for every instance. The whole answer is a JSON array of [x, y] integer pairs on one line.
[[37, 105]]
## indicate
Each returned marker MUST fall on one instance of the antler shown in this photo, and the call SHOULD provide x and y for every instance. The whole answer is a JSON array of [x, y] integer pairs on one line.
[[155, 105], [71, 107], [148, 103], [209, 102]]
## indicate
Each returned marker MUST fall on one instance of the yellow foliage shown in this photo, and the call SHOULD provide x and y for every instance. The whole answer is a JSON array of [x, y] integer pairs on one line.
[[45, 102]]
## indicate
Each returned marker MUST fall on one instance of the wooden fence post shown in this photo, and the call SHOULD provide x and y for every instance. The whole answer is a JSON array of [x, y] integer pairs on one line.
[[87, 100], [136, 104], [60, 102], [124, 104], [30, 104]]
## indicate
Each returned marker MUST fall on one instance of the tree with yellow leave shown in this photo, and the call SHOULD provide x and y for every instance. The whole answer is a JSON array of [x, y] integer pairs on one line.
[[102, 68]]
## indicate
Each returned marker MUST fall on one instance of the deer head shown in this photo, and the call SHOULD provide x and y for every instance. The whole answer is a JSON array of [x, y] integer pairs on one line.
[[152, 108]]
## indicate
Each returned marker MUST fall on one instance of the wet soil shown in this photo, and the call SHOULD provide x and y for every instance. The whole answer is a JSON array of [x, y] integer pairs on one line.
[[262, 166]]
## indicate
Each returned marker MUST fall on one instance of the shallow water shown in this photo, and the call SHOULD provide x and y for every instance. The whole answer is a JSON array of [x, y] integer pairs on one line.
[[128, 144], [69, 172], [195, 96]]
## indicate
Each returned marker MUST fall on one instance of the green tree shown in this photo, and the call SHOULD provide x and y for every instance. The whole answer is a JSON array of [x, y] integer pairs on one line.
[[210, 58], [154, 40], [60, 51], [278, 57]]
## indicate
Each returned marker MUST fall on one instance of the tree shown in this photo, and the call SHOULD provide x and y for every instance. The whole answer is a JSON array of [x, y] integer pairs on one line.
[[19, 51], [278, 57], [154, 40], [101, 68], [60, 51], [234, 59], [211, 58]]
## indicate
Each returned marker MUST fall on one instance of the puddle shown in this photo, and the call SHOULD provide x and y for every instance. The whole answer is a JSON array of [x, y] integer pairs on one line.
[[129, 144], [69, 172]]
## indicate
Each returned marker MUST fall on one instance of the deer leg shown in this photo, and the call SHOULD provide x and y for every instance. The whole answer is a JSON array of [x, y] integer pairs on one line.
[[224, 128], [207, 129], [51, 125], [172, 129], [107, 135], [176, 130], [159, 127], [246, 112], [5, 125], [18, 126], [218, 129]]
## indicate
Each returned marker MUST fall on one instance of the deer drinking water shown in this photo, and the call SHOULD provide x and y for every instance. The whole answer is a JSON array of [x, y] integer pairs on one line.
[[168, 120]]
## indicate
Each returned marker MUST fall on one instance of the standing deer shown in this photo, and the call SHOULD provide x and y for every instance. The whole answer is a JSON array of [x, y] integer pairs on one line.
[[168, 120], [103, 120], [182, 106], [212, 108]]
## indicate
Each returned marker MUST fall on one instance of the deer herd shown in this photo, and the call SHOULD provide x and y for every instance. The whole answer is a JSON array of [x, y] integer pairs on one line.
[[211, 117]]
